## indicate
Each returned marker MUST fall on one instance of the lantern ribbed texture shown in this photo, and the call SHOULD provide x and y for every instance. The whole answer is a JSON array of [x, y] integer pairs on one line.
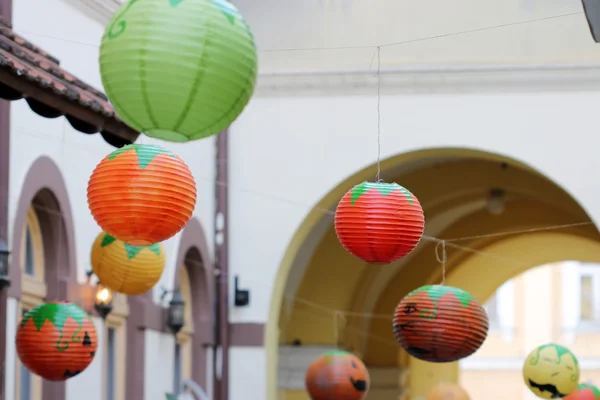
[[551, 371], [56, 340], [448, 391], [439, 323], [142, 194], [131, 270], [337, 375], [379, 222], [178, 70], [585, 391]]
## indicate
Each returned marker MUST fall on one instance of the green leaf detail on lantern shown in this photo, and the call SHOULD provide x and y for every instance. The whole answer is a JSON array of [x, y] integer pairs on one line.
[[175, 3], [145, 153], [56, 313], [436, 292], [332, 355], [133, 251], [383, 188], [560, 351], [107, 240], [118, 24], [593, 388], [227, 10]]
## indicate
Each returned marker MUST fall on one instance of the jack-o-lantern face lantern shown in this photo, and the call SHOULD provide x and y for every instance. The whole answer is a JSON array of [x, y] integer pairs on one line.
[[56, 340], [337, 375], [438, 323]]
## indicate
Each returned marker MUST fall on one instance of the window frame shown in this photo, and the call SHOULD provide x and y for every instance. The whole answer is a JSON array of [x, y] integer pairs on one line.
[[592, 271], [33, 289]]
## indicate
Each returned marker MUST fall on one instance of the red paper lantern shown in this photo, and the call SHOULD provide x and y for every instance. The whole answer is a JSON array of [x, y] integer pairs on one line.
[[337, 375], [379, 222], [584, 391], [439, 323], [56, 340], [142, 194]]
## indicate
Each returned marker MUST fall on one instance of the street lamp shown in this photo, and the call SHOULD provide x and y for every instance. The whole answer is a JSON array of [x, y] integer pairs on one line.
[[176, 313], [103, 302], [4, 253]]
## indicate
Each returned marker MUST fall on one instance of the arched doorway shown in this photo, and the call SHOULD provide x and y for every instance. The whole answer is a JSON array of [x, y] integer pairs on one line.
[[321, 281], [43, 262], [193, 279]]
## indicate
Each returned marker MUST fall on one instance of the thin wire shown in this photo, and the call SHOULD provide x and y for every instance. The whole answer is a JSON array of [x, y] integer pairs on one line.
[[441, 258], [392, 44], [434, 239], [508, 233], [332, 310], [378, 176]]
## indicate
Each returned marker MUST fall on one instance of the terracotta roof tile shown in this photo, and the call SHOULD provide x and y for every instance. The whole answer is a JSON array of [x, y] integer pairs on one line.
[[26, 61]]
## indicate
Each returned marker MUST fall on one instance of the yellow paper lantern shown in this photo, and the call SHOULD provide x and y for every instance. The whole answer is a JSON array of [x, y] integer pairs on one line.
[[551, 371], [131, 270]]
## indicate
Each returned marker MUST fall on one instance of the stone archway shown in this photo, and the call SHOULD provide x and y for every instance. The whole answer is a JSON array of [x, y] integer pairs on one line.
[[452, 184]]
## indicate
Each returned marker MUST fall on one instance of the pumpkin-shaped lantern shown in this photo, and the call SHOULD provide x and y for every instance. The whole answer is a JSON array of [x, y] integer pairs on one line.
[[337, 375], [142, 194], [178, 70], [584, 391], [439, 323], [379, 222], [56, 340], [448, 391], [131, 270], [551, 371]]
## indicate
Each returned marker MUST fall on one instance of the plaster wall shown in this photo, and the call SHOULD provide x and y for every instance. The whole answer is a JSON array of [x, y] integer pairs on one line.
[[159, 365]]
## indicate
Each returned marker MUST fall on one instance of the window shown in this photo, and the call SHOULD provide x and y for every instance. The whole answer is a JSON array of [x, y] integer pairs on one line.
[[110, 364], [589, 294], [29, 254], [28, 386], [491, 307], [177, 369]]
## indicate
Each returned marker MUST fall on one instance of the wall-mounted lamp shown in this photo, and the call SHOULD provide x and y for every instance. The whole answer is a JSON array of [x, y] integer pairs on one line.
[[103, 298], [4, 253], [176, 313], [496, 202], [241, 296]]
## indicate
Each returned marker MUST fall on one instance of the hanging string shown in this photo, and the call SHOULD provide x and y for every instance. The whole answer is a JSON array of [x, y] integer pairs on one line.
[[330, 48], [336, 332], [378, 177], [442, 258]]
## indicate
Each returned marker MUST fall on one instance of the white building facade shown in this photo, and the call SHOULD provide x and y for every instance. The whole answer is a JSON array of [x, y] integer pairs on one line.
[[525, 96]]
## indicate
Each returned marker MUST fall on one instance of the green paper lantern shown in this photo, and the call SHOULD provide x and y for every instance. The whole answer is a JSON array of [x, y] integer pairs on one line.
[[178, 70]]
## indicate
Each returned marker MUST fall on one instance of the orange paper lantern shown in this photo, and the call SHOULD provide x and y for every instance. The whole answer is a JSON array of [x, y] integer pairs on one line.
[[56, 340], [131, 270], [379, 222], [439, 323], [142, 194], [448, 391], [337, 375]]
